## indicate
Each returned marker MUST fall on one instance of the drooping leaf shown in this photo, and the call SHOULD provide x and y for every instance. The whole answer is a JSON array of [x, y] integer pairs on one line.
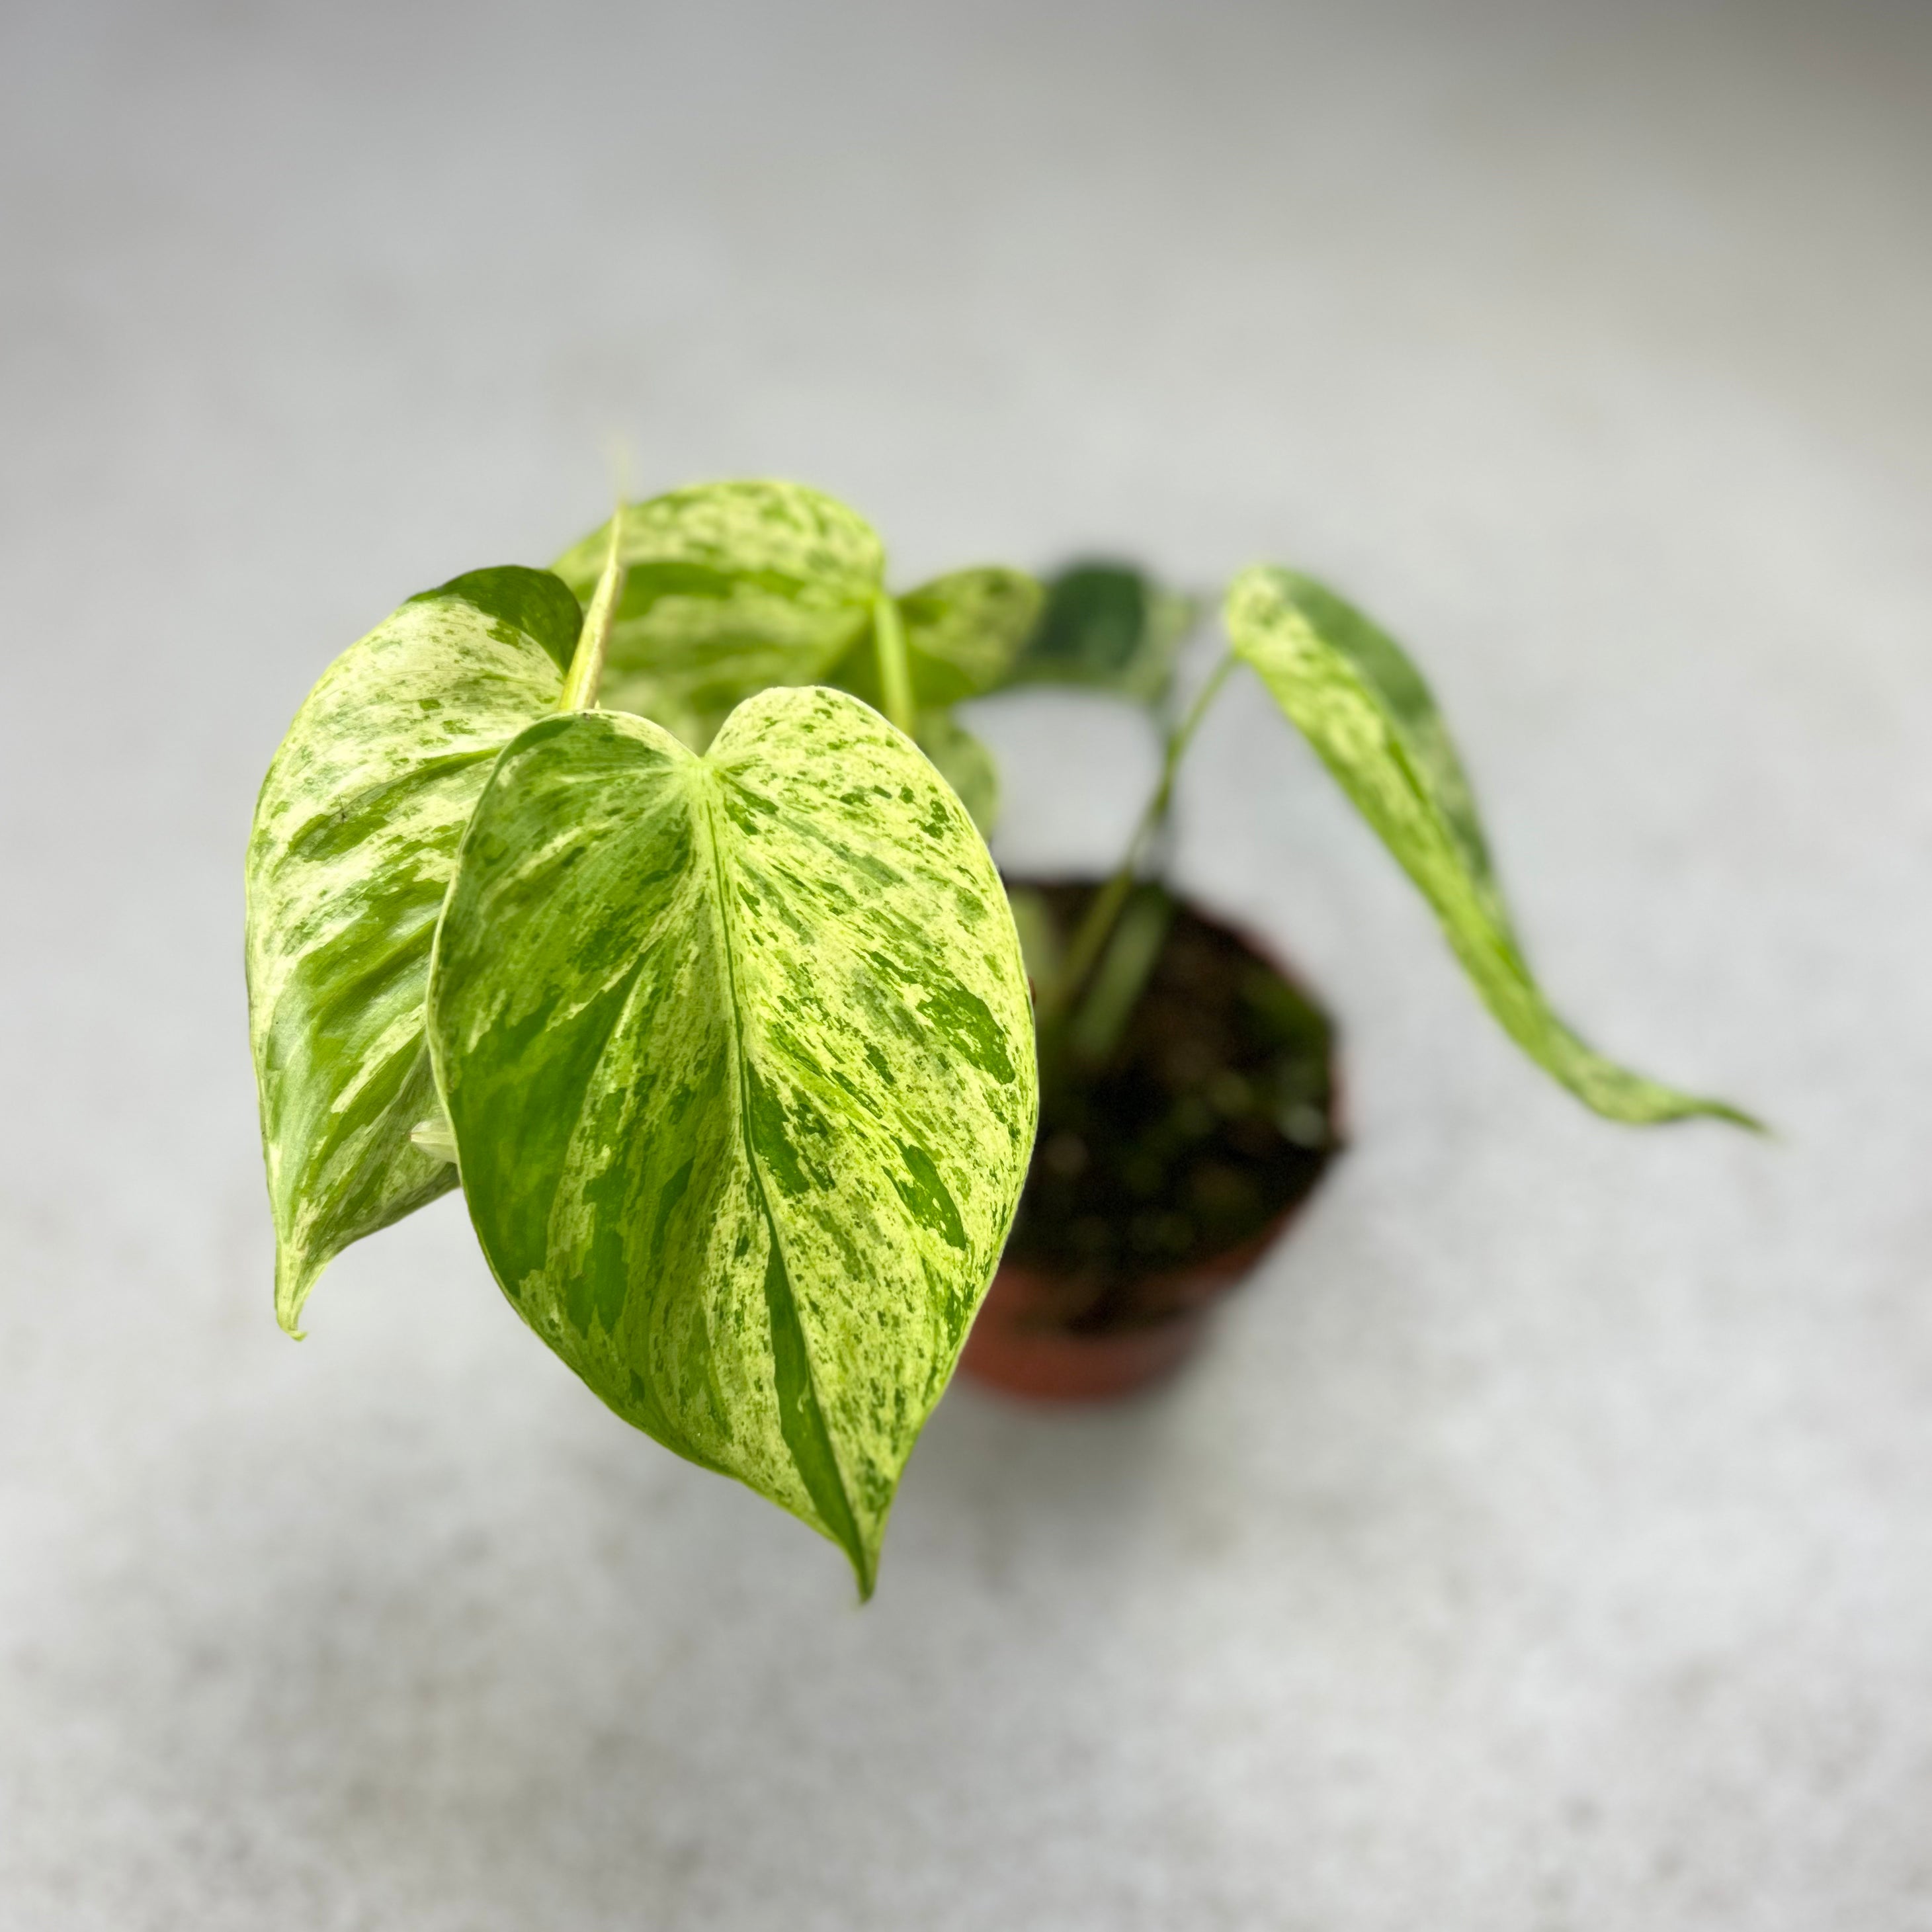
[[737, 1053], [732, 587], [1108, 626], [962, 633], [965, 763], [354, 840], [1354, 693]]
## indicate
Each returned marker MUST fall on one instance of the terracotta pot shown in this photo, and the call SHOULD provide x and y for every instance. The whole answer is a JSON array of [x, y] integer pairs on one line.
[[1017, 1345], [1022, 1341]]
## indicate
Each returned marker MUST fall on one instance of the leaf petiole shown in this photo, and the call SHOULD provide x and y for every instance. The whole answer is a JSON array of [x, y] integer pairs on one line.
[[1096, 929], [586, 666], [895, 674]]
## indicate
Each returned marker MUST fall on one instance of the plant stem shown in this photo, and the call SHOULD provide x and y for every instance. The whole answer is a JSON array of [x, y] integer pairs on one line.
[[1127, 962], [1096, 929], [895, 674], [593, 641]]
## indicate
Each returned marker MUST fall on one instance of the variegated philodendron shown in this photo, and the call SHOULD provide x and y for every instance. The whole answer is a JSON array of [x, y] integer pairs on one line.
[[647, 929]]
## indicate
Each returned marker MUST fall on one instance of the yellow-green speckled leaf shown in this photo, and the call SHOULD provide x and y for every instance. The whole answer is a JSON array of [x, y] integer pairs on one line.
[[731, 588], [355, 839], [1354, 695], [737, 1052], [964, 630], [962, 633]]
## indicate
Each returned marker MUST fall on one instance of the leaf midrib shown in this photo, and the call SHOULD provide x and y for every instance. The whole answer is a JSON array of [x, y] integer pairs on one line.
[[709, 779]]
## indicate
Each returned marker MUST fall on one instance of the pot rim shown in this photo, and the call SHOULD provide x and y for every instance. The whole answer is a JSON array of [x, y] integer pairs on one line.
[[1216, 1274]]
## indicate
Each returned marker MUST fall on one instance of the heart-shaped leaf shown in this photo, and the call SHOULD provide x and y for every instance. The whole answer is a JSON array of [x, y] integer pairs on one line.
[[1354, 693], [737, 1052], [355, 839], [732, 587]]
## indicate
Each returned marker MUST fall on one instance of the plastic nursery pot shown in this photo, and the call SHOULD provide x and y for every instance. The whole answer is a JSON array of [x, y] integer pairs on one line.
[[1164, 1169]]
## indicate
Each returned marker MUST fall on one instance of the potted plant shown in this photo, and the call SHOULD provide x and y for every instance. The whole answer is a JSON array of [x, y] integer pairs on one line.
[[643, 899]]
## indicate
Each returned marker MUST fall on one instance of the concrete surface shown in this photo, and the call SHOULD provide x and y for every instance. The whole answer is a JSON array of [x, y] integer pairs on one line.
[[1545, 1541]]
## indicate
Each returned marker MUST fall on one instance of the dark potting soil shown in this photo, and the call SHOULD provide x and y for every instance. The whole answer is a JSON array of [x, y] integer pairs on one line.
[[1213, 1115]]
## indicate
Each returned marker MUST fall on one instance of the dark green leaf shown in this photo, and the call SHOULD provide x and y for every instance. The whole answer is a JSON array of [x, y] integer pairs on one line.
[[1109, 626]]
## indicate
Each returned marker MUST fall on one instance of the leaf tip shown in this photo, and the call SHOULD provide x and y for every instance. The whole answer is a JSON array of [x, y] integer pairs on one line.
[[865, 1570], [1654, 1106], [435, 1137], [294, 1278]]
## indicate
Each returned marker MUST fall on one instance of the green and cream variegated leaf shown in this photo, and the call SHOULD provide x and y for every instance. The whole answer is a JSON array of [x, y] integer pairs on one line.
[[1354, 693], [738, 1055], [962, 632], [355, 837], [731, 588]]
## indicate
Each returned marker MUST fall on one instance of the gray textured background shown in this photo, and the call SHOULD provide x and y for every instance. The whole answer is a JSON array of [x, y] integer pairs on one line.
[[1545, 1541]]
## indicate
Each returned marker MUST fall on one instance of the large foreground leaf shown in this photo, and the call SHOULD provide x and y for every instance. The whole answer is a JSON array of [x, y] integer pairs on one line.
[[737, 1053], [732, 587], [354, 840], [1365, 708]]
